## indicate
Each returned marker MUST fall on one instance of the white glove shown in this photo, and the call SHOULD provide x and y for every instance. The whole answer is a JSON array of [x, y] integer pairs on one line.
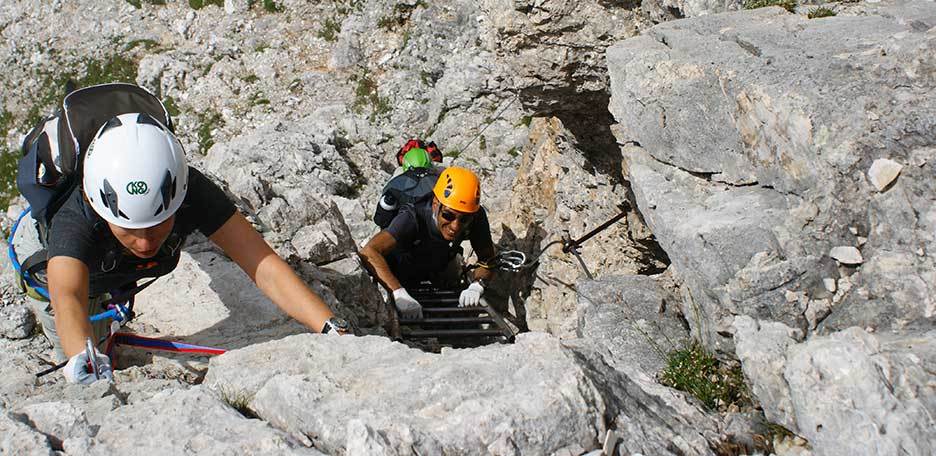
[[471, 296], [78, 369], [409, 308]]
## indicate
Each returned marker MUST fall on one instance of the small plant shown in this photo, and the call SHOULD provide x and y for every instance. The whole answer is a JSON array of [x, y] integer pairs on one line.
[[513, 152], [238, 400], [406, 37], [172, 107], [525, 121], [482, 143], [331, 27], [365, 94], [207, 122], [816, 13], [387, 23], [789, 5], [251, 78], [271, 6], [139, 3], [199, 4], [9, 161], [145, 43], [694, 370]]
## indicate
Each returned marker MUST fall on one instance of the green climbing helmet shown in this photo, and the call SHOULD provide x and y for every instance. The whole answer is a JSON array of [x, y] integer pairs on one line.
[[416, 158]]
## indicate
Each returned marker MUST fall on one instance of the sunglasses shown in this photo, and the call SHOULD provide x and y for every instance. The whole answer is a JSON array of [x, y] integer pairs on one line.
[[450, 216]]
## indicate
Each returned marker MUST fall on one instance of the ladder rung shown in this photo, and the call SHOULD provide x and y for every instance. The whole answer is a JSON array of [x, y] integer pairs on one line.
[[454, 320], [440, 333]]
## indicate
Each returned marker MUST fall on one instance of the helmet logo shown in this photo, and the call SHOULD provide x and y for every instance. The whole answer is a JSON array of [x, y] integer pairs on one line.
[[448, 187], [137, 188]]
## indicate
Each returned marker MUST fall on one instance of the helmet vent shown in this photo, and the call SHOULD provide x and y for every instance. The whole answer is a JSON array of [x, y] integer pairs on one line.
[[109, 199], [144, 118], [112, 123], [167, 189]]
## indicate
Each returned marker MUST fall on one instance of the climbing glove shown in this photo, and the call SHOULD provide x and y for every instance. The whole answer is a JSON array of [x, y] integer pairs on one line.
[[471, 296], [409, 308], [78, 369]]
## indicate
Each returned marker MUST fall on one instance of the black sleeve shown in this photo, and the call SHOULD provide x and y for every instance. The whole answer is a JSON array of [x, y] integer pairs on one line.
[[206, 207], [480, 235], [404, 226], [72, 234]]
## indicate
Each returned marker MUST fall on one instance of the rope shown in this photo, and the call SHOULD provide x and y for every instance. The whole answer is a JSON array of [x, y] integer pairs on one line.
[[134, 340]]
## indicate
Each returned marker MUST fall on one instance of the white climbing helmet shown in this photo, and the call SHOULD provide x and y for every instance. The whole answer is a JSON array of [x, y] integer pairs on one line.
[[135, 173]]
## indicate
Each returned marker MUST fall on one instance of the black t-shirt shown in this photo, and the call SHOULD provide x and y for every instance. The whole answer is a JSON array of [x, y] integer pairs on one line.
[[421, 251], [78, 232]]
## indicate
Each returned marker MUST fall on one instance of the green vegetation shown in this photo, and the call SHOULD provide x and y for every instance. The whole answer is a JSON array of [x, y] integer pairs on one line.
[[387, 22], [257, 99], [251, 78], [331, 27], [365, 94], [139, 3], [789, 5], [9, 159], [207, 122], [115, 69], [199, 4], [172, 107], [513, 152], [693, 370], [270, 6], [147, 44], [482, 143], [816, 13], [238, 400], [525, 121]]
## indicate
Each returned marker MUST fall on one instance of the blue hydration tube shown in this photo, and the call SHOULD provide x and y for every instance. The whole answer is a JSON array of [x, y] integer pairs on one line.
[[16, 264]]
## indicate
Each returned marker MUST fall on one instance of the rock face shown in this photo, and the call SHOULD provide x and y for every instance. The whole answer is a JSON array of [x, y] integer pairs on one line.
[[193, 421], [527, 397], [747, 146], [848, 393], [633, 318], [778, 169], [553, 193]]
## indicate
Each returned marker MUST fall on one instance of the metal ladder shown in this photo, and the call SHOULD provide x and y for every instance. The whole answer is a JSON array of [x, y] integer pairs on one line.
[[452, 325]]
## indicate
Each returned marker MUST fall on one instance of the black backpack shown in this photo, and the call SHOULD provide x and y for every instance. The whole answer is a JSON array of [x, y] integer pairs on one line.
[[50, 167], [52, 151], [410, 187]]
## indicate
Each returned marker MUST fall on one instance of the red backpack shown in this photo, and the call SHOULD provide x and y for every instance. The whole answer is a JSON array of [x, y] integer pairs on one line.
[[434, 152]]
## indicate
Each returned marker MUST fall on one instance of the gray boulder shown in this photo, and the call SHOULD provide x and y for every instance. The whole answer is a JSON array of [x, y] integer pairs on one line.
[[633, 318], [530, 397], [59, 421], [849, 393], [747, 145], [18, 438], [189, 421]]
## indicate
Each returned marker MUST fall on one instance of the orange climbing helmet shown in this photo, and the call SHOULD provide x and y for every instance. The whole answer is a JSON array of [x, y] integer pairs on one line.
[[459, 189]]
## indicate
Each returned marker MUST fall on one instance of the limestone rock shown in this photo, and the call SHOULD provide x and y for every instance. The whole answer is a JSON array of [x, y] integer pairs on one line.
[[631, 317], [882, 172], [193, 420], [740, 137], [18, 438], [846, 255], [16, 321], [761, 348], [851, 392], [58, 420], [530, 396]]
